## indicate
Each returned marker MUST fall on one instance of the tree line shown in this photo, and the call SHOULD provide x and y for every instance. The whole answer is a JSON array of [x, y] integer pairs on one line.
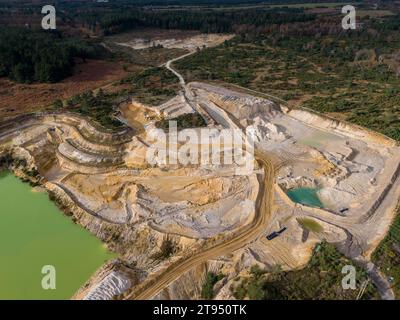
[[37, 56], [208, 21]]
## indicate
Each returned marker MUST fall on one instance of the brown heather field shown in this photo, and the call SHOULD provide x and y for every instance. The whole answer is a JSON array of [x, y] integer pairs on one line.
[[18, 98]]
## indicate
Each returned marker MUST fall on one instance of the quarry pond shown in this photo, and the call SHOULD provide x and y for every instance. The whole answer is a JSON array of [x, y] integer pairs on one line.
[[305, 196], [33, 234]]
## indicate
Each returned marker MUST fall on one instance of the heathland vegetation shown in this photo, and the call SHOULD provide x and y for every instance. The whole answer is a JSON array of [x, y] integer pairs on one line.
[[321, 279], [99, 107], [387, 255], [291, 52], [151, 86], [352, 75], [189, 120]]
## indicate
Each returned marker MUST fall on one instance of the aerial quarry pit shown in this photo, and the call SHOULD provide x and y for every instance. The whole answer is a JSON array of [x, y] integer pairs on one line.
[[216, 218]]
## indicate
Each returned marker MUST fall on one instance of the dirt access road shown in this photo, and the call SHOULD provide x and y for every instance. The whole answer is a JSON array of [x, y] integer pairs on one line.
[[250, 232], [247, 234]]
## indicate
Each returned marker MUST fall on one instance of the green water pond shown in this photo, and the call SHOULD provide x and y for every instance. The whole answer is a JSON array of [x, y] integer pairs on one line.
[[305, 196], [33, 234]]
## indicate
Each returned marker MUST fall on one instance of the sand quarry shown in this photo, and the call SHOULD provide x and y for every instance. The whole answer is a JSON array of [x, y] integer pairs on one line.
[[105, 179], [170, 39], [212, 214]]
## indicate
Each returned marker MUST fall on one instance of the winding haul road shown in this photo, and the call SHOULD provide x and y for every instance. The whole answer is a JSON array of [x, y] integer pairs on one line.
[[245, 235], [250, 232], [151, 287]]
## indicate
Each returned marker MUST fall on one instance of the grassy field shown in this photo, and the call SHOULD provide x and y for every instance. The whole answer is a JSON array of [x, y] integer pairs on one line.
[[321, 279]]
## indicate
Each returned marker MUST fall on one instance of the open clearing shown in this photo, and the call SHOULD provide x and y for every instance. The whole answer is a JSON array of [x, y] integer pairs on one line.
[[171, 39]]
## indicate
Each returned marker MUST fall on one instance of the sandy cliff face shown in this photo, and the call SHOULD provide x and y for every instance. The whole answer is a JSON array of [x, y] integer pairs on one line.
[[100, 180], [342, 128]]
